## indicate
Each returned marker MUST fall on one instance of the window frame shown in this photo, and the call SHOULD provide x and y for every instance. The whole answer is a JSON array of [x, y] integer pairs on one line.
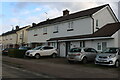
[[70, 26], [55, 29], [44, 30]]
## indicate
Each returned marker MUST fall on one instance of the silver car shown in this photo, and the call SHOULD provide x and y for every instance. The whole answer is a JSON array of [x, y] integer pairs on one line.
[[81, 54], [110, 57]]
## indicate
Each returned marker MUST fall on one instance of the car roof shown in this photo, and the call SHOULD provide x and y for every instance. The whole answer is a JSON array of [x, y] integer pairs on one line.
[[81, 47]]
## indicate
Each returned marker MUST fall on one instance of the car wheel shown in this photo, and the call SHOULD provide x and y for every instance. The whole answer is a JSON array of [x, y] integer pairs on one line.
[[84, 61], [37, 56], [117, 64], [54, 55]]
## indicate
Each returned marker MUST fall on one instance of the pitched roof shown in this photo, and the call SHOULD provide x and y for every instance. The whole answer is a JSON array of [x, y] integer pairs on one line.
[[83, 13], [106, 31], [13, 31]]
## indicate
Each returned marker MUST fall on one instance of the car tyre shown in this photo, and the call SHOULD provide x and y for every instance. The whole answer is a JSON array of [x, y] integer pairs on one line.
[[84, 61], [117, 64], [54, 55], [37, 56]]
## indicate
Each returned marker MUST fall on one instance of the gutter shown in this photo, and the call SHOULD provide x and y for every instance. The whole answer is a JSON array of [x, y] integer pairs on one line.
[[85, 39]]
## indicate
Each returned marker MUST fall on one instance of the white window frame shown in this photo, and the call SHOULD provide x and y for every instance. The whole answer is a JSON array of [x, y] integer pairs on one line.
[[55, 29], [45, 30], [70, 25]]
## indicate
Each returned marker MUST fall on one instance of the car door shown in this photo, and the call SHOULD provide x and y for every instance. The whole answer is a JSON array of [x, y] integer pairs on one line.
[[46, 51], [93, 53], [88, 53]]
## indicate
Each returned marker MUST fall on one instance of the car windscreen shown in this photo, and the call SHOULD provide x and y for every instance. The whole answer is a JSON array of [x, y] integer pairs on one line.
[[75, 50], [111, 50], [37, 48]]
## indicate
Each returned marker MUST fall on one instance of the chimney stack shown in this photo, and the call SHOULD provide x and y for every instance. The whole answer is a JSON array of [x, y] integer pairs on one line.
[[17, 27], [65, 12], [33, 24]]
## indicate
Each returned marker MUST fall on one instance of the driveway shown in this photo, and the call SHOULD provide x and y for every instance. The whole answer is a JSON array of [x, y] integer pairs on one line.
[[60, 68]]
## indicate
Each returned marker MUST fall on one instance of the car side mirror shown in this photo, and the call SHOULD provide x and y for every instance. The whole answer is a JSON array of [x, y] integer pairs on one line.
[[41, 49]]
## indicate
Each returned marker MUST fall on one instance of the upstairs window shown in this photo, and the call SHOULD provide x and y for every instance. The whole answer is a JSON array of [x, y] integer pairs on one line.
[[70, 26], [97, 24], [35, 33], [44, 30], [55, 29]]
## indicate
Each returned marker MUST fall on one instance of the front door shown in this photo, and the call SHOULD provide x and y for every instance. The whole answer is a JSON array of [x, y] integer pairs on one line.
[[62, 49], [67, 47]]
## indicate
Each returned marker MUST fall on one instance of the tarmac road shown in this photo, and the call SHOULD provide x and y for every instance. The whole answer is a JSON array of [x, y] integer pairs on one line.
[[52, 68], [14, 72]]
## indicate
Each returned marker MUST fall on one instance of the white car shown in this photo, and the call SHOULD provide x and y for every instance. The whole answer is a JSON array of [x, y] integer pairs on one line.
[[42, 51]]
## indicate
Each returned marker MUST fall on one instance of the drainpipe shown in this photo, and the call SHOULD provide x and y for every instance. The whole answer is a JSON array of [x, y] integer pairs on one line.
[[92, 24], [16, 38]]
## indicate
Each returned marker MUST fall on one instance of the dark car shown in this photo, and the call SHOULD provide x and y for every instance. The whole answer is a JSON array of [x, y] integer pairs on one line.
[[5, 51]]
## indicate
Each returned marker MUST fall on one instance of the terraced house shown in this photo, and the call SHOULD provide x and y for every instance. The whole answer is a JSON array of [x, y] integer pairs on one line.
[[15, 38], [97, 27]]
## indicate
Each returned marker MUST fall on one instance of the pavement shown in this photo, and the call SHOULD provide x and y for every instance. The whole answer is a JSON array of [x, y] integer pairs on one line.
[[58, 68]]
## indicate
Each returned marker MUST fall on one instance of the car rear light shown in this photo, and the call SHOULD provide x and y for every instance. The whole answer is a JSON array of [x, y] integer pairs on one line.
[[77, 54], [5, 51]]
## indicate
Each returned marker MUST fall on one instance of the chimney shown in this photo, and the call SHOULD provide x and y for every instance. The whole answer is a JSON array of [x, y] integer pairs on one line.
[[65, 12], [17, 27], [33, 24]]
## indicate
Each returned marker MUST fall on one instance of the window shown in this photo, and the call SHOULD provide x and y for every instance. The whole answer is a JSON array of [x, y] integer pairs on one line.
[[35, 33], [70, 26], [47, 48], [87, 50], [93, 50], [45, 30], [75, 50], [90, 50], [98, 46], [96, 23], [53, 44], [11, 37], [82, 43], [21, 36], [55, 29], [104, 45]]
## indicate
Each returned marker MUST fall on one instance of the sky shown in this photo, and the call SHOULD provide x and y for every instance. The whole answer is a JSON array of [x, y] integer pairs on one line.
[[23, 12]]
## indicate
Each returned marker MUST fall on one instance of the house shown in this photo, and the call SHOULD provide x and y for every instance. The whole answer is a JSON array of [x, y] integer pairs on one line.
[[0, 42], [22, 36], [11, 39], [87, 28]]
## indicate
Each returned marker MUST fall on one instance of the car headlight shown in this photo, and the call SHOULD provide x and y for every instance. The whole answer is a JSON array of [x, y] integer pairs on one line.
[[111, 56]]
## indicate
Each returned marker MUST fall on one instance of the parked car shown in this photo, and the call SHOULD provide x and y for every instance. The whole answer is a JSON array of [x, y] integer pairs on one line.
[[24, 48], [42, 51], [5, 51], [81, 54], [110, 57]]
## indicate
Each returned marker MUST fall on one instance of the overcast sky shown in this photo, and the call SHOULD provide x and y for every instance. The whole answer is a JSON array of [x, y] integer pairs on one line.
[[24, 13]]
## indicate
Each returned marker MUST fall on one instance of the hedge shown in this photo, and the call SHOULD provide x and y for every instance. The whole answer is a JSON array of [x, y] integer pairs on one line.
[[16, 53]]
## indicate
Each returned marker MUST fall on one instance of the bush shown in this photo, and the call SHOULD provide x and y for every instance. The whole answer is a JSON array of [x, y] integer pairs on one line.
[[16, 53]]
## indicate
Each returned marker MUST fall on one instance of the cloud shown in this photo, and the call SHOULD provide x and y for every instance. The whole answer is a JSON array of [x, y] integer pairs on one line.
[[37, 9], [53, 9]]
